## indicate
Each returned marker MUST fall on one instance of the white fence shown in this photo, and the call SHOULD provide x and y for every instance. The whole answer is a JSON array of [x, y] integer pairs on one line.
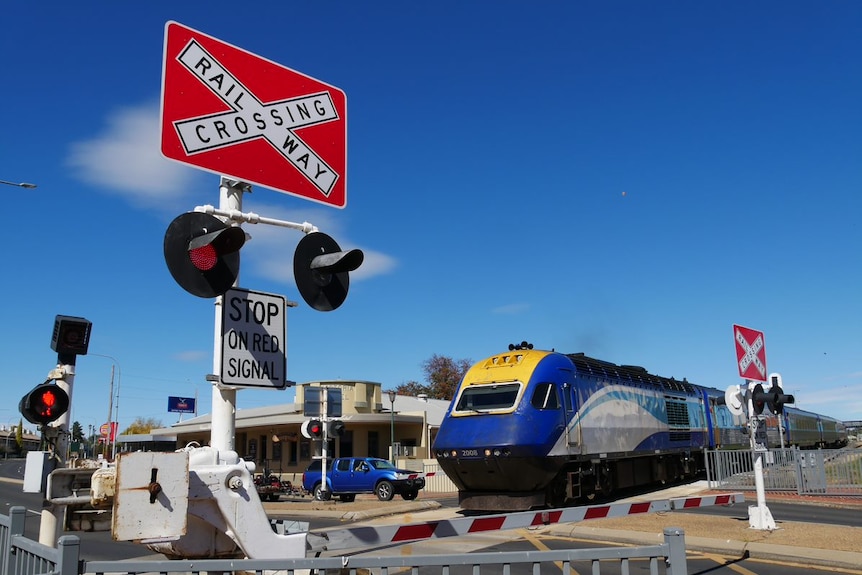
[[439, 482], [806, 472]]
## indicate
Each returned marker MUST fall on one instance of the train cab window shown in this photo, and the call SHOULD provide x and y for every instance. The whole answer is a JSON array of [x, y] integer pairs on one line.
[[482, 398], [545, 397], [567, 397]]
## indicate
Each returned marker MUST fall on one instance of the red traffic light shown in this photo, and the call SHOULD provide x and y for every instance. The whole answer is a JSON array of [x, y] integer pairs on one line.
[[44, 404]]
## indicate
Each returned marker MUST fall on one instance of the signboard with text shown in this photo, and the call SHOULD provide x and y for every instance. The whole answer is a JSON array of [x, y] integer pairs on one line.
[[750, 353], [236, 114], [254, 327], [181, 404]]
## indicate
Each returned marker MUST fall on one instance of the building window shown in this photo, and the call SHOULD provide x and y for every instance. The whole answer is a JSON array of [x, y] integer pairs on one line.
[[374, 444]]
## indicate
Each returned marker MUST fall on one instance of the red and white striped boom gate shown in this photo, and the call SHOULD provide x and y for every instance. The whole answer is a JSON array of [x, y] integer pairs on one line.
[[364, 537]]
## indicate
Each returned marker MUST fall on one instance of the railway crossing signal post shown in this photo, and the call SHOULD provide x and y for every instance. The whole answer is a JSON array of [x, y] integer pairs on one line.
[[323, 402], [252, 122], [750, 398], [49, 405]]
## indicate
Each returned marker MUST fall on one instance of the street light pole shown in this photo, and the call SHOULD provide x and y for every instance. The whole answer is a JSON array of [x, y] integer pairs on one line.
[[111, 406], [19, 184], [392, 425]]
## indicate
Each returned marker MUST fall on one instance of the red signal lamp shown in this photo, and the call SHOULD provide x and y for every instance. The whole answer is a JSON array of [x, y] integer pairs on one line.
[[44, 404]]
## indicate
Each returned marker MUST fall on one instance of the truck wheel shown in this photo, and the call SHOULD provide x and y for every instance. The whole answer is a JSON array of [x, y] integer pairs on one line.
[[384, 491], [320, 494], [348, 497], [274, 496], [410, 495]]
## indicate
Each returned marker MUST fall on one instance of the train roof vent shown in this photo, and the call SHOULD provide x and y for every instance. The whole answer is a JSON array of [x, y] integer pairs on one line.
[[676, 385], [633, 373]]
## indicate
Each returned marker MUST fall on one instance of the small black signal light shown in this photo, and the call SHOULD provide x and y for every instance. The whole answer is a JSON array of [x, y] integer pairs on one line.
[[335, 428], [202, 253], [44, 404], [776, 396], [71, 335], [321, 270], [759, 399]]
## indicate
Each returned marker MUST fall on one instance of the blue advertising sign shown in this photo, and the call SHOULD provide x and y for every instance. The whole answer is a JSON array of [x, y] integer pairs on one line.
[[181, 405]]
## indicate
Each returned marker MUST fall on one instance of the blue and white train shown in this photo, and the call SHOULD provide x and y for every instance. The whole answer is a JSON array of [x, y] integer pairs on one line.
[[530, 428]]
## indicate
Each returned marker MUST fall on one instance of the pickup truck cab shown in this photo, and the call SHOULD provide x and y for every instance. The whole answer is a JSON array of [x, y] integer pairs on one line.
[[349, 476]]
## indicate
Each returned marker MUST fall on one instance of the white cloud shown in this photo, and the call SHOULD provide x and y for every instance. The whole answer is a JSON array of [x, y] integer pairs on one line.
[[125, 160], [192, 356], [273, 246], [511, 309]]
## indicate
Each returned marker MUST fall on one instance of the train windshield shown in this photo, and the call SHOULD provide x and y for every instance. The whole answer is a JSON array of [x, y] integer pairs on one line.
[[483, 398]]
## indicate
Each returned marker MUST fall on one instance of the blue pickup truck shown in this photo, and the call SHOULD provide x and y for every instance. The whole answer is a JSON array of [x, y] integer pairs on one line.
[[348, 476]]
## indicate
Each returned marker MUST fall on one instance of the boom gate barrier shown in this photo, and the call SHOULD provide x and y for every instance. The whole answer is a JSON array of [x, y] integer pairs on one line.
[[34, 558], [366, 536]]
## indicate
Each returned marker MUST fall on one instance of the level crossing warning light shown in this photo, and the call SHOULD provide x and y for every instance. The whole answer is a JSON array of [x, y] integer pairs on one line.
[[312, 429], [202, 253], [758, 399], [776, 398], [44, 404], [335, 428], [321, 270]]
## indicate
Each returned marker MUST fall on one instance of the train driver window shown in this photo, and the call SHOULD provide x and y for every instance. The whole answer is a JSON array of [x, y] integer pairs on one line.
[[545, 397], [482, 398]]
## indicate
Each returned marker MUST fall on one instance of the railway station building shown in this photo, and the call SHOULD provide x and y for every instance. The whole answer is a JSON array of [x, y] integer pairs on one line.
[[374, 426]]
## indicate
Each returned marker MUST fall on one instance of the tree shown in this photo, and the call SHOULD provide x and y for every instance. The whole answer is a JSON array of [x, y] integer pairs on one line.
[[77, 432], [142, 425], [413, 389], [443, 375], [19, 435]]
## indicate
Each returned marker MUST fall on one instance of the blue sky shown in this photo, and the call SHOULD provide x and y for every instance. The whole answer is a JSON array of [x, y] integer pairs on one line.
[[626, 179]]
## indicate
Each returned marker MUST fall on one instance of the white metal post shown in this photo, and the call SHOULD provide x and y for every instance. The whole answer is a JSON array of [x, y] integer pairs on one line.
[[51, 524], [223, 432], [759, 516], [324, 451]]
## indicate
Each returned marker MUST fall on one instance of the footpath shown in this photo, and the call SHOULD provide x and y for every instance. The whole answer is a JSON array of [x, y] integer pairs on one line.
[[729, 536]]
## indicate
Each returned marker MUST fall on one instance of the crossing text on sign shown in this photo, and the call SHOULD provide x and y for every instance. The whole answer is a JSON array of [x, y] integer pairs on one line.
[[250, 118]]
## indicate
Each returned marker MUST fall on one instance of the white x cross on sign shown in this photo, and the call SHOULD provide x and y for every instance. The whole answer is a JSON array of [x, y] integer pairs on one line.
[[250, 118], [750, 353]]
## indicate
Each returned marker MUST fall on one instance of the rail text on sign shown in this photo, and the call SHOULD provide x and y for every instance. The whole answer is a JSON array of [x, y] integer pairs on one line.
[[250, 118], [253, 335]]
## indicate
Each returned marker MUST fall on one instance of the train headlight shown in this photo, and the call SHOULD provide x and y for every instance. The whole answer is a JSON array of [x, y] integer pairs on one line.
[[454, 453], [497, 453], [487, 453]]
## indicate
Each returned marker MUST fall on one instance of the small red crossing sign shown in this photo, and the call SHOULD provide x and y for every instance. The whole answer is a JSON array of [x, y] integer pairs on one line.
[[750, 353], [231, 112]]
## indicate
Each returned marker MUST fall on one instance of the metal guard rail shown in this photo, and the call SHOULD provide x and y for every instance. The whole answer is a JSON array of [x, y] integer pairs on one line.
[[671, 553]]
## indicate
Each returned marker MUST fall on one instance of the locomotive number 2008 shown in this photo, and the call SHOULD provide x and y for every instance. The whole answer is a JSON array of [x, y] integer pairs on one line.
[[469, 453]]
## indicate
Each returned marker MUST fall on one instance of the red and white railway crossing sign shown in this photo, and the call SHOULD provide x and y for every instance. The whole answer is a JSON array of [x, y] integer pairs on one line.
[[231, 112], [750, 353]]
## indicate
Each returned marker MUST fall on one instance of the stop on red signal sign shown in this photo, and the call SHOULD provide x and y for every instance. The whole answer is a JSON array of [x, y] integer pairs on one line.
[[231, 112]]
